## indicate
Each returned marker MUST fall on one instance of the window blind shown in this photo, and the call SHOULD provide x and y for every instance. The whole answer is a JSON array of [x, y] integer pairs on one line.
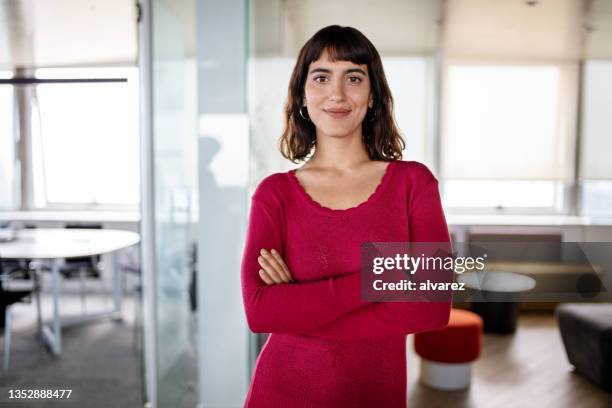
[[508, 122], [596, 146]]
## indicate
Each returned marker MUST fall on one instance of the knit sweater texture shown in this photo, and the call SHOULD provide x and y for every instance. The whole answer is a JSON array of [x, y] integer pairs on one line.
[[328, 348]]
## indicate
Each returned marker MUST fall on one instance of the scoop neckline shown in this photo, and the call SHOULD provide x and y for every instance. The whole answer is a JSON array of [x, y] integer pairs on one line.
[[343, 211]]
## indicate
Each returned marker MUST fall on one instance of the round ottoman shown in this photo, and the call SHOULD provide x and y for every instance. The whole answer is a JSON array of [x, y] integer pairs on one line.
[[447, 354]]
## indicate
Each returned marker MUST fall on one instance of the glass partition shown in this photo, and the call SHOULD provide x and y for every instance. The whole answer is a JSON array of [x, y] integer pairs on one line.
[[169, 182]]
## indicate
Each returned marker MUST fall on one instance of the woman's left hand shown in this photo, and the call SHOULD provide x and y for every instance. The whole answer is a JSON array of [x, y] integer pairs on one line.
[[274, 270]]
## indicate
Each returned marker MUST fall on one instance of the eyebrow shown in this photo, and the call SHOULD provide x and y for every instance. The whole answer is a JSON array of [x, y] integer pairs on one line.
[[328, 71]]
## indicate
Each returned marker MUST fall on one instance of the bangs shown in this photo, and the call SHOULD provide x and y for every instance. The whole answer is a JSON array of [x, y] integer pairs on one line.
[[341, 44]]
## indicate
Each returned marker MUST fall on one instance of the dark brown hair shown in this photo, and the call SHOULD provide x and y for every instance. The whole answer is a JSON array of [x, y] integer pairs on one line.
[[381, 136]]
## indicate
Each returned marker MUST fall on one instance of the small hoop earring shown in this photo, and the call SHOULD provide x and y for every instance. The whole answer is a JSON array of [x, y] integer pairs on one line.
[[302, 113]]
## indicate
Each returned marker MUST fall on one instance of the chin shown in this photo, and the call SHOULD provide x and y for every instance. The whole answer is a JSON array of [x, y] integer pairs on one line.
[[336, 133]]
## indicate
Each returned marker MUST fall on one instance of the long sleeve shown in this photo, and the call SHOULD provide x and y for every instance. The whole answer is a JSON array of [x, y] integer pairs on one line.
[[384, 319], [293, 307]]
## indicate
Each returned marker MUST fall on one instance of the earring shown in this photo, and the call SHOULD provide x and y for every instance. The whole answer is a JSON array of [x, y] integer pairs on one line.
[[302, 113]]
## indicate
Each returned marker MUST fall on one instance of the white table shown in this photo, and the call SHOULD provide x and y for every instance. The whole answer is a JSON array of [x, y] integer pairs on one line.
[[496, 300], [497, 281], [57, 244]]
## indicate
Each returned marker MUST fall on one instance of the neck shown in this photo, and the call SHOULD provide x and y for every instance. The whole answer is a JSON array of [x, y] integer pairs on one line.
[[339, 152]]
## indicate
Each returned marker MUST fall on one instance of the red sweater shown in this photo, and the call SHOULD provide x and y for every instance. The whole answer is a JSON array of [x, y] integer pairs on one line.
[[327, 347]]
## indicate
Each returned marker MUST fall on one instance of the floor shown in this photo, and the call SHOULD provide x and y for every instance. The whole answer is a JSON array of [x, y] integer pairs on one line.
[[527, 369], [100, 361], [102, 365]]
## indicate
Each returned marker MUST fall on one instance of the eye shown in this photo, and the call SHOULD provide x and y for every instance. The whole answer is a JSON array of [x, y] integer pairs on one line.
[[355, 79], [320, 78]]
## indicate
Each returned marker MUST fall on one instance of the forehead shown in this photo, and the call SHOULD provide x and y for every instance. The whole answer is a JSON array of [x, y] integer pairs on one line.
[[325, 62]]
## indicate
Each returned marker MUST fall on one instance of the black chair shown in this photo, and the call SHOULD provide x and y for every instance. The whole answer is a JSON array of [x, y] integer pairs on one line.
[[17, 266], [9, 298], [83, 267], [130, 265], [21, 266]]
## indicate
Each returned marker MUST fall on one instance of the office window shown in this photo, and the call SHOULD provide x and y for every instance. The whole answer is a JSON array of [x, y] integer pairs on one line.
[[596, 165], [86, 139], [411, 82], [7, 145], [506, 137], [498, 194]]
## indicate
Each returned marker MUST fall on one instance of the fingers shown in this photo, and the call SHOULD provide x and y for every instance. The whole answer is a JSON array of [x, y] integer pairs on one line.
[[273, 261], [282, 264], [265, 277], [274, 269], [277, 263], [271, 270]]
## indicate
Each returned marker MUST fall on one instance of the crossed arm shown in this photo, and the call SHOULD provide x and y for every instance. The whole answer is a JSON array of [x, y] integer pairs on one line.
[[331, 308]]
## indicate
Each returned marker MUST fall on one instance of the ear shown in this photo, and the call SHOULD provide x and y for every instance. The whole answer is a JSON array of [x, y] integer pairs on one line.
[[371, 103]]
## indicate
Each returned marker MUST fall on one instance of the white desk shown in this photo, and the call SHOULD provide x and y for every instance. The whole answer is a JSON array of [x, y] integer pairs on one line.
[[71, 216], [57, 244]]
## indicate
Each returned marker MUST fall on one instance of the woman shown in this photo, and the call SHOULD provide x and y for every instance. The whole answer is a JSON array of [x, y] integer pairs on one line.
[[300, 270]]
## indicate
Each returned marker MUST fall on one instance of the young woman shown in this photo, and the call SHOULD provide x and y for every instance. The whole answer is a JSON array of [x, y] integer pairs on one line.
[[300, 270]]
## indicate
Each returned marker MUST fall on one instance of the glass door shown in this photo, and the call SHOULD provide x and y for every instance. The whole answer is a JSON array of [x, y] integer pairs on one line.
[[169, 173]]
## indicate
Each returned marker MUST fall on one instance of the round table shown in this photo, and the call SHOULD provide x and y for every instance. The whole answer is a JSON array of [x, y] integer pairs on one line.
[[496, 297], [56, 244]]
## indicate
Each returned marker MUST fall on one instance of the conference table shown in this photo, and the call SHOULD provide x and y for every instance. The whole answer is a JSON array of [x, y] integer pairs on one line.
[[56, 244]]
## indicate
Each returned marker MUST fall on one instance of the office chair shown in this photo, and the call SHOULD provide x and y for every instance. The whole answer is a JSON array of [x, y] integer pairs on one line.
[[82, 267], [20, 267], [23, 267], [9, 298], [129, 264]]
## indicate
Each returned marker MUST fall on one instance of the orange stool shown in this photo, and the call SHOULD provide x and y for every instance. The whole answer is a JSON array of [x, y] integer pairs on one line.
[[447, 354]]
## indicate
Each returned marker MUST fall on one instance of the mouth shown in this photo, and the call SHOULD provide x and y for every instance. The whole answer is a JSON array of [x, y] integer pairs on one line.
[[337, 112]]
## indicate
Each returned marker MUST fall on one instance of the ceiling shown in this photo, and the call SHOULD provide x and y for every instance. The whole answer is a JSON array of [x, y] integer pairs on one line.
[[58, 33], [599, 25], [486, 29], [52, 33], [514, 29], [281, 27]]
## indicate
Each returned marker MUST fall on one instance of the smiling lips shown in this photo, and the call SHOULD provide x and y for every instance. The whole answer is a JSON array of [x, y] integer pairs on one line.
[[337, 112]]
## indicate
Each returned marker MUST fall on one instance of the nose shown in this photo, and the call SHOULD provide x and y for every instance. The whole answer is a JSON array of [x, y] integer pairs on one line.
[[336, 91]]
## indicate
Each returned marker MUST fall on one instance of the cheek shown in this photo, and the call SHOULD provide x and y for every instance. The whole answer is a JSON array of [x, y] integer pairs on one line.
[[360, 101], [359, 96], [312, 93], [363, 97]]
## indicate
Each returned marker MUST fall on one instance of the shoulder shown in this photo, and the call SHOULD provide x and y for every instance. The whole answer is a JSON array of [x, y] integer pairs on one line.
[[416, 173], [272, 188], [421, 185]]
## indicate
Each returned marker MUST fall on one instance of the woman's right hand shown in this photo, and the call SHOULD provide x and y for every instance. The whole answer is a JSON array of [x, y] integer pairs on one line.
[[274, 270]]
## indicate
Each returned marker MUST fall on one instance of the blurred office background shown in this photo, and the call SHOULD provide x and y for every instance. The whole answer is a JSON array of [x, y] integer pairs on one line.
[[160, 117]]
